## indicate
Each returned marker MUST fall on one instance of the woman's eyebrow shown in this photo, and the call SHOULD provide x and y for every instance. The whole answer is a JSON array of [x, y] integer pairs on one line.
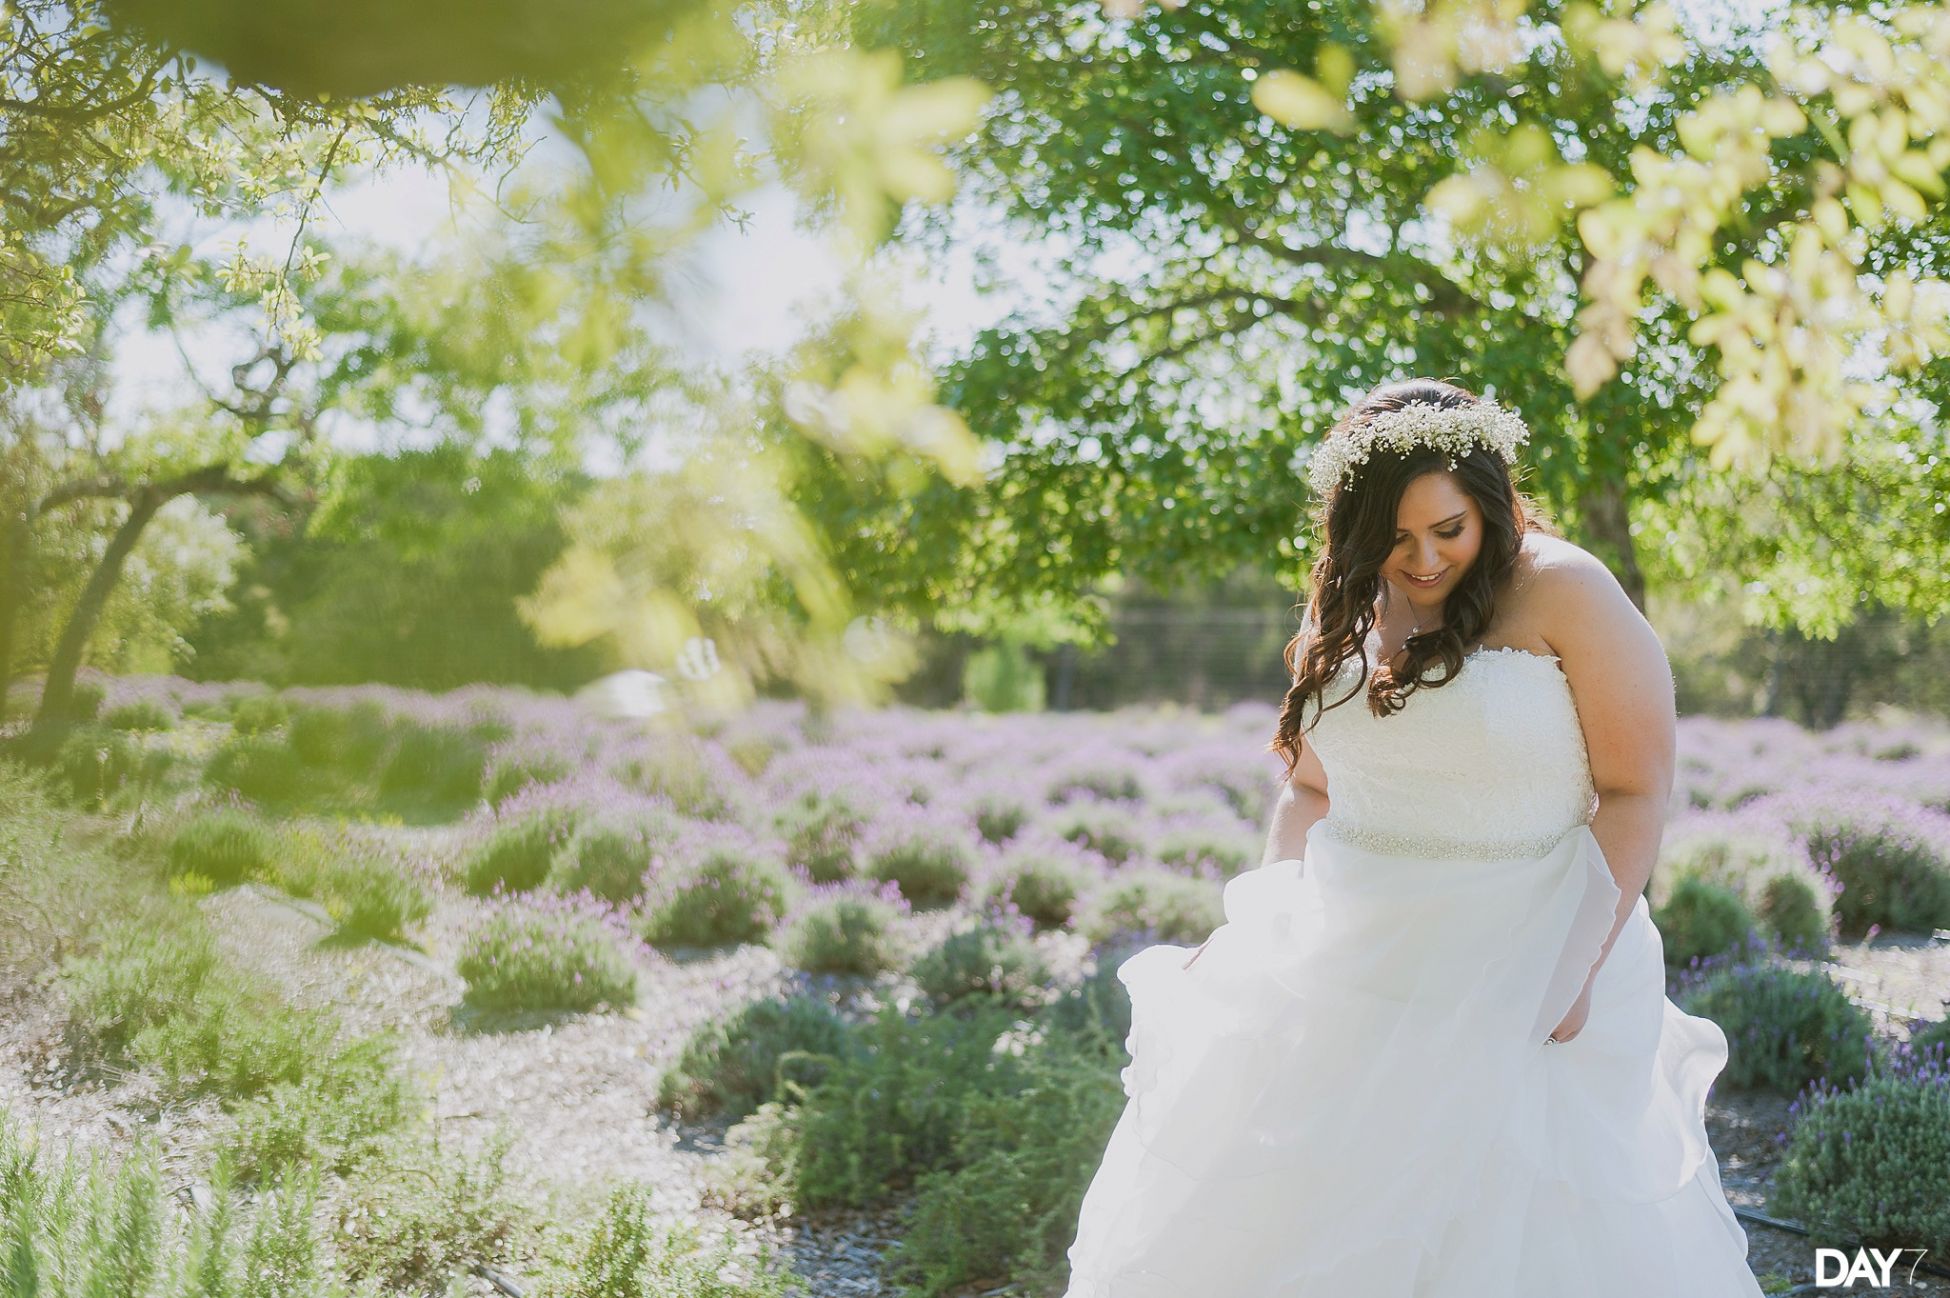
[[1440, 521]]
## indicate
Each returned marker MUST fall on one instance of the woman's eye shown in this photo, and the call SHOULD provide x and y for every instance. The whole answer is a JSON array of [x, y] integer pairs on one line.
[[1450, 535]]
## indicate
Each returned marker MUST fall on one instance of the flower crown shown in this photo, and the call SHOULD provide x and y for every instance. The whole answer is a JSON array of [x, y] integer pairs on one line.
[[1451, 428]]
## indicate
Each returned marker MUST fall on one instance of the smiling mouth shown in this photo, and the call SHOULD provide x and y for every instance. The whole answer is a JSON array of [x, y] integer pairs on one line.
[[1426, 581]]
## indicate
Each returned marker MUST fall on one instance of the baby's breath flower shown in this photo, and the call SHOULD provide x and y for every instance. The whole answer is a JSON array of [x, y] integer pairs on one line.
[[1452, 429]]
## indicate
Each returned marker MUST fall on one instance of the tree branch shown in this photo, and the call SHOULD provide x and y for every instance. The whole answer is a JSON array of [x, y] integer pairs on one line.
[[211, 478], [1446, 296]]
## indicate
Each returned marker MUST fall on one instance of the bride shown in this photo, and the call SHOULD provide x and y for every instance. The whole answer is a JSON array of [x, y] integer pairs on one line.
[[1429, 1053]]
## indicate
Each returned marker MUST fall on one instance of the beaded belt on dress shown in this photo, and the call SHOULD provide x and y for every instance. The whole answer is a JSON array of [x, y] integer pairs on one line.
[[1382, 840]]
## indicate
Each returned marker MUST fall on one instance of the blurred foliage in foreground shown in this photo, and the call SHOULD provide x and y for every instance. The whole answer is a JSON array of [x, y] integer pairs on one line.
[[1650, 238]]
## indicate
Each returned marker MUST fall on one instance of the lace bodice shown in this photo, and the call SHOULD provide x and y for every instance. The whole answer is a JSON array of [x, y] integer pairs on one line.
[[1491, 764]]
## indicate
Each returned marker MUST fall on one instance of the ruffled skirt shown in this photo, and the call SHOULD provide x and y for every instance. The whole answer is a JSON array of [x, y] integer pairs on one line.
[[1350, 1091]]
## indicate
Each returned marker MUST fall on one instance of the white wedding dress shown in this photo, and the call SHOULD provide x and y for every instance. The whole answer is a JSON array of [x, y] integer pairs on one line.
[[1350, 1092]]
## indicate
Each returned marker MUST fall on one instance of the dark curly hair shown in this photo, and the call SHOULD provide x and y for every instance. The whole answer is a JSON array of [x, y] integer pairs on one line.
[[1357, 521]]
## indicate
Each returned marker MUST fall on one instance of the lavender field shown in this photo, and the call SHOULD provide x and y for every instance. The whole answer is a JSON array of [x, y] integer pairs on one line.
[[581, 975]]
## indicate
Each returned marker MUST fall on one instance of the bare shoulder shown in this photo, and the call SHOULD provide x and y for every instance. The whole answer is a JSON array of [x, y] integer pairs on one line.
[[1571, 595], [1621, 681], [1531, 606]]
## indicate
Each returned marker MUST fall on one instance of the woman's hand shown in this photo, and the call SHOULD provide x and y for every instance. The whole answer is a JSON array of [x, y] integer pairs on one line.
[[1573, 1022]]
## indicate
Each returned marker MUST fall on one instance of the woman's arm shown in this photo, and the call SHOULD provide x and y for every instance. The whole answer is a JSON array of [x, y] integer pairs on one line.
[[1299, 806], [1622, 685]]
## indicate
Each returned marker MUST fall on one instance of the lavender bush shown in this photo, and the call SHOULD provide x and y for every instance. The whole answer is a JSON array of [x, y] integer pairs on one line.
[[1872, 1161], [993, 959], [721, 886], [1162, 904], [1043, 879], [843, 929], [1890, 857], [1784, 1028], [522, 957], [730, 1066], [929, 858]]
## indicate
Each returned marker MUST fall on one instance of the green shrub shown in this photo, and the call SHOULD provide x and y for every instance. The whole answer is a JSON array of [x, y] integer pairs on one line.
[[1099, 1006], [1106, 831], [726, 892], [753, 753], [1108, 781], [373, 898], [1931, 1037], [840, 934], [757, 1175], [518, 856], [418, 1218], [1796, 912], [1700, 920], [610, 856], [254, 714], [1199, 850], [1022, 1159], [304, 857], [141, 714], [151, 996], [679, 772], [520, 959], [93, 764], [1871, 1163], [891, 1111], [1768, 871], [436, 765], [1784, 1027], [144, 970], [350, 739], [225, 846], [236, 1038], [102, 1226], [930, 863], [1003, 678], [1000, 815], [85, 700], [1892, 874], [54, 886], [823, 834], [1164, 904], [1041, 884], [731, 1066], [625, 1257], [332, 1118], [986, 961], [509, 775], [1249, 791], [260, 767]]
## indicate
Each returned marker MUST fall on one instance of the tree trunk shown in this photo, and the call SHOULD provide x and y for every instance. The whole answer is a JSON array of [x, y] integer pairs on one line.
[[16, 534], [1608, 524], [1066, 677], [53, 719]]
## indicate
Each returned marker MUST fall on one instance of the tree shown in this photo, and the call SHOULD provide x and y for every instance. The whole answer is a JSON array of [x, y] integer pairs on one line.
[[108, 124], [1296, 203], [100, 126]]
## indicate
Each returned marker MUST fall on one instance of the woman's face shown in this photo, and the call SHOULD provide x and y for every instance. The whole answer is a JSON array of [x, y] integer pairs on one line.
[[1438, 533]]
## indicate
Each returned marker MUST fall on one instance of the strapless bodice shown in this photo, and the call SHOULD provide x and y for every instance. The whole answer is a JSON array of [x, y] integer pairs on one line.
[[1491, 764]]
